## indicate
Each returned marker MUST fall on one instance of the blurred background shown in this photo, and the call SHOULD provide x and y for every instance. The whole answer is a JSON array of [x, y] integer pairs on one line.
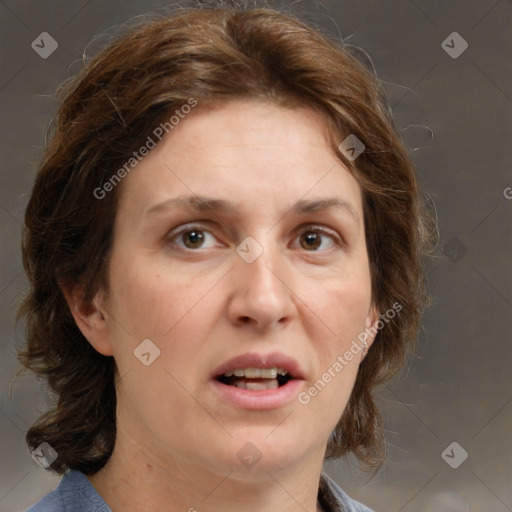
[[447, 70]]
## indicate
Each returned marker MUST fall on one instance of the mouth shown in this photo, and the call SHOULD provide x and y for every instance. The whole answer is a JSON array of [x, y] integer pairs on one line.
[[255, 379]]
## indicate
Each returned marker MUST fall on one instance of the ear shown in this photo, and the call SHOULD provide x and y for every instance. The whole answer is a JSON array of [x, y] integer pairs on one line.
[[91, 317], [371, 321]]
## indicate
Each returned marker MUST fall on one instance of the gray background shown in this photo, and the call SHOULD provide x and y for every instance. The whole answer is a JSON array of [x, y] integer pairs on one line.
[[456, 116]]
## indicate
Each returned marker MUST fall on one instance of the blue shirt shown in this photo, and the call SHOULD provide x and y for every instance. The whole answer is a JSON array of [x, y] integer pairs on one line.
[[76, 494]]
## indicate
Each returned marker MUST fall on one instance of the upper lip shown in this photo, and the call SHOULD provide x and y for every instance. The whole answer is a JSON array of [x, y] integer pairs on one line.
[[255, 360]]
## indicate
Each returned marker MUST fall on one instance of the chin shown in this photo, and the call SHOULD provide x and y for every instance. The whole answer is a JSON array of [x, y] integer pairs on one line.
[[264, 451]]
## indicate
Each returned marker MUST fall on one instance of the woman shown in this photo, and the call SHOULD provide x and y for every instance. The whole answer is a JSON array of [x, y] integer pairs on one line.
[[223, 245]]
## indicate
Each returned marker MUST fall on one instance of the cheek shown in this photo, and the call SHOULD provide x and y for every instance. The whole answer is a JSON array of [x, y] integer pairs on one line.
[[176, 313], [173, 309], [341, 307], [150, 300]]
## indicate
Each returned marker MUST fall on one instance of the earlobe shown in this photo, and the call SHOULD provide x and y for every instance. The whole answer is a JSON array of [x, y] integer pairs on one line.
[[371, 329], [373, 317], [90, 317]]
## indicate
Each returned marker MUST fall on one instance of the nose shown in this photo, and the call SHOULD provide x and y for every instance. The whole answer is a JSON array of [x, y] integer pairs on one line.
[[262, 295]]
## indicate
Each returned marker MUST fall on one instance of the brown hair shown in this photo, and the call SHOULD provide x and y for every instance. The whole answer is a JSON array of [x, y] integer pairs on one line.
[[109, 110]]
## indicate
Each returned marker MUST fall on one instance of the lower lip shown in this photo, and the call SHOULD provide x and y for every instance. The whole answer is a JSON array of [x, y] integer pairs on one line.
[[260, 399]]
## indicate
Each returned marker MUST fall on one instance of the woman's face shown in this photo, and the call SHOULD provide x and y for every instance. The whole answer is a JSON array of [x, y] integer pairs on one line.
[[240, 235]]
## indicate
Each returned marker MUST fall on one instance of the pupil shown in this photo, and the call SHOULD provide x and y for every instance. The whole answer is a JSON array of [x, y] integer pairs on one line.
[[194, 238], [312, 240]]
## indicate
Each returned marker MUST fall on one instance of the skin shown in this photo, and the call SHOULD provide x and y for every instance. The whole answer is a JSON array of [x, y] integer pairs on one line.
[[177, 441]]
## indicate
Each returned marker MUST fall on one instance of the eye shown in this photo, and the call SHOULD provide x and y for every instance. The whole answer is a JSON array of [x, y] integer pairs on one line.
[[313, 239], [194, 237], [316, 239]]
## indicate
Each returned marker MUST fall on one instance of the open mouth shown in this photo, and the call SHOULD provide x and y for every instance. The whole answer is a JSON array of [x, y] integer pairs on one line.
[[255, 379]]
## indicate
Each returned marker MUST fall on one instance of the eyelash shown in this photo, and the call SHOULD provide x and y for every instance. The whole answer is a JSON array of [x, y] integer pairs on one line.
[[337, 241]]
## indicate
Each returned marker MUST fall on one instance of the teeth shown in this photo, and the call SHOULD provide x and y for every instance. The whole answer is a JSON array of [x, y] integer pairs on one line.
[[257, 386], [257, 373]]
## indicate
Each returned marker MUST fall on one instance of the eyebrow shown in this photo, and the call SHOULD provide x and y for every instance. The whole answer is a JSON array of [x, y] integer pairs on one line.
[[208, 204]]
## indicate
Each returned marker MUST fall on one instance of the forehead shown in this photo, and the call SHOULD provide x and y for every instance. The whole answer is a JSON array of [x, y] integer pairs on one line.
[[243, 151]]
